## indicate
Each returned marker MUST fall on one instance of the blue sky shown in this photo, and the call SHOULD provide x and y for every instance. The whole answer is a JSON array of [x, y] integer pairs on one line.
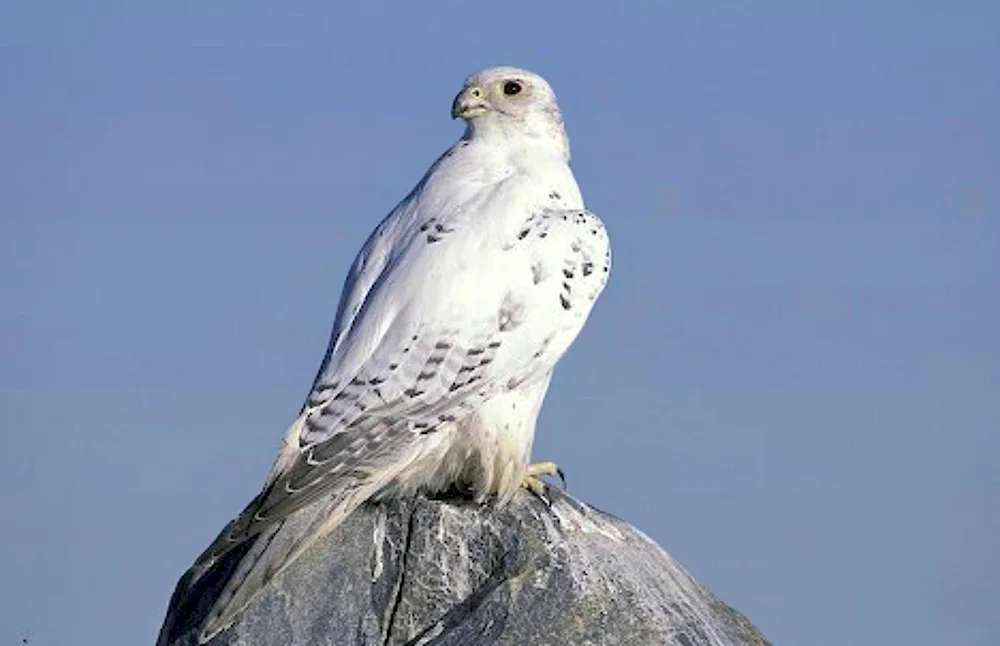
[[792, 382]]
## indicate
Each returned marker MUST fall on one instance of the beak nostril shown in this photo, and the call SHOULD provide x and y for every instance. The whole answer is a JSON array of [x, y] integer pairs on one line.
[[470, 101]]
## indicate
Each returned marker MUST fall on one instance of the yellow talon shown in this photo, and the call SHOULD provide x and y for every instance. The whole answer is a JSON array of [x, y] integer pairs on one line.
[[534, 483]]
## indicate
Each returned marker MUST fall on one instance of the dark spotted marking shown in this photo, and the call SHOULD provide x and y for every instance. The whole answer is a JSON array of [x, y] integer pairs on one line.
[[537, 273], [323, 388], [545, 346], [320, 395], [511, 314], [438, 233], [330, 385], [564, 299], [554, 195], [425, 428]]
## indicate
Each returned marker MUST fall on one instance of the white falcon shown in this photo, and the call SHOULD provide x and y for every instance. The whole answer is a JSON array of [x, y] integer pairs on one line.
[[452, 318]]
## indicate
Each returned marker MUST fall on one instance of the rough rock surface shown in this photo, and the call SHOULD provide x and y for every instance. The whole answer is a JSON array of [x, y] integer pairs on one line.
[[446, 572]]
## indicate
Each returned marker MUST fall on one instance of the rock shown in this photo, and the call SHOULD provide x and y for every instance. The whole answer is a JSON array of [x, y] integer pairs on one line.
[[449, 573]]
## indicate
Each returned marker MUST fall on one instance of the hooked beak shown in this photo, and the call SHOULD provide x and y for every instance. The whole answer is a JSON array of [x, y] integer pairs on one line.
[[470, 102]]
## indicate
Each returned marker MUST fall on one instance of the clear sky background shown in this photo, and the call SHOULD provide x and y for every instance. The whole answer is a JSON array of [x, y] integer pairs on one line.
[[792, 382]]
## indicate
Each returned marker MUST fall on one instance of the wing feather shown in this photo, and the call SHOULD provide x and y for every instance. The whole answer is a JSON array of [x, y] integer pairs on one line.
[[420, 372]]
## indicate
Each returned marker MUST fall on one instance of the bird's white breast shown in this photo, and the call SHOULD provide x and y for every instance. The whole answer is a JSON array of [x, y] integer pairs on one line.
[[488, 244]]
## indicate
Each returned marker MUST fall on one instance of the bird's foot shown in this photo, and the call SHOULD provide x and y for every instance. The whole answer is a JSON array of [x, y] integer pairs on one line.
[[533, 482]]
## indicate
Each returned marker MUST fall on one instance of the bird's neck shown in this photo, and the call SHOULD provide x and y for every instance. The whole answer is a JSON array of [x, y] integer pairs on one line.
[[542, 138]]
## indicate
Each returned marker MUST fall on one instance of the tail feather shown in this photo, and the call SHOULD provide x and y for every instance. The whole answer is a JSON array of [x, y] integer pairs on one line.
[[210, 595], [224, 581], [194, 597], [274, 550]]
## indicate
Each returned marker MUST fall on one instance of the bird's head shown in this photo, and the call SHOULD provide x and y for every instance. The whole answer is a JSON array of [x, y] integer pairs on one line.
[[509, 103]]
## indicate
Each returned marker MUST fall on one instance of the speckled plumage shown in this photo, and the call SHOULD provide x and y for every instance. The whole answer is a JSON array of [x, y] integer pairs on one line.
[[452, 318]]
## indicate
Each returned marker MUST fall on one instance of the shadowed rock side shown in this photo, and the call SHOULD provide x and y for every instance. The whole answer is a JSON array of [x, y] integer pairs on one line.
[[433, 572]]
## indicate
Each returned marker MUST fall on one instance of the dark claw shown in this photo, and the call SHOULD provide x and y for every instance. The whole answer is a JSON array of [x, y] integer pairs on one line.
[[562, 478]]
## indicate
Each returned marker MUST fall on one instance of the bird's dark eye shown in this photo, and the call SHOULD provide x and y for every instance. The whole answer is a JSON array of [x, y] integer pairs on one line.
[[510, 88]]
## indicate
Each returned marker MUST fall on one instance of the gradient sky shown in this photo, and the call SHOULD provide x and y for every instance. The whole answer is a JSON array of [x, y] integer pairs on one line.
[[792, 382]]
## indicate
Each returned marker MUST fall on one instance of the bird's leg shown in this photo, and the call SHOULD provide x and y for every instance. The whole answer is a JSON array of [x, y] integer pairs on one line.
[[532, 478]]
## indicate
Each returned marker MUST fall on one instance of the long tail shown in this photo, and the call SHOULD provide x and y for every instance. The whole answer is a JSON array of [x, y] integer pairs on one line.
[[275, 549], [229, 575], [207, 599], [250, 552]]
